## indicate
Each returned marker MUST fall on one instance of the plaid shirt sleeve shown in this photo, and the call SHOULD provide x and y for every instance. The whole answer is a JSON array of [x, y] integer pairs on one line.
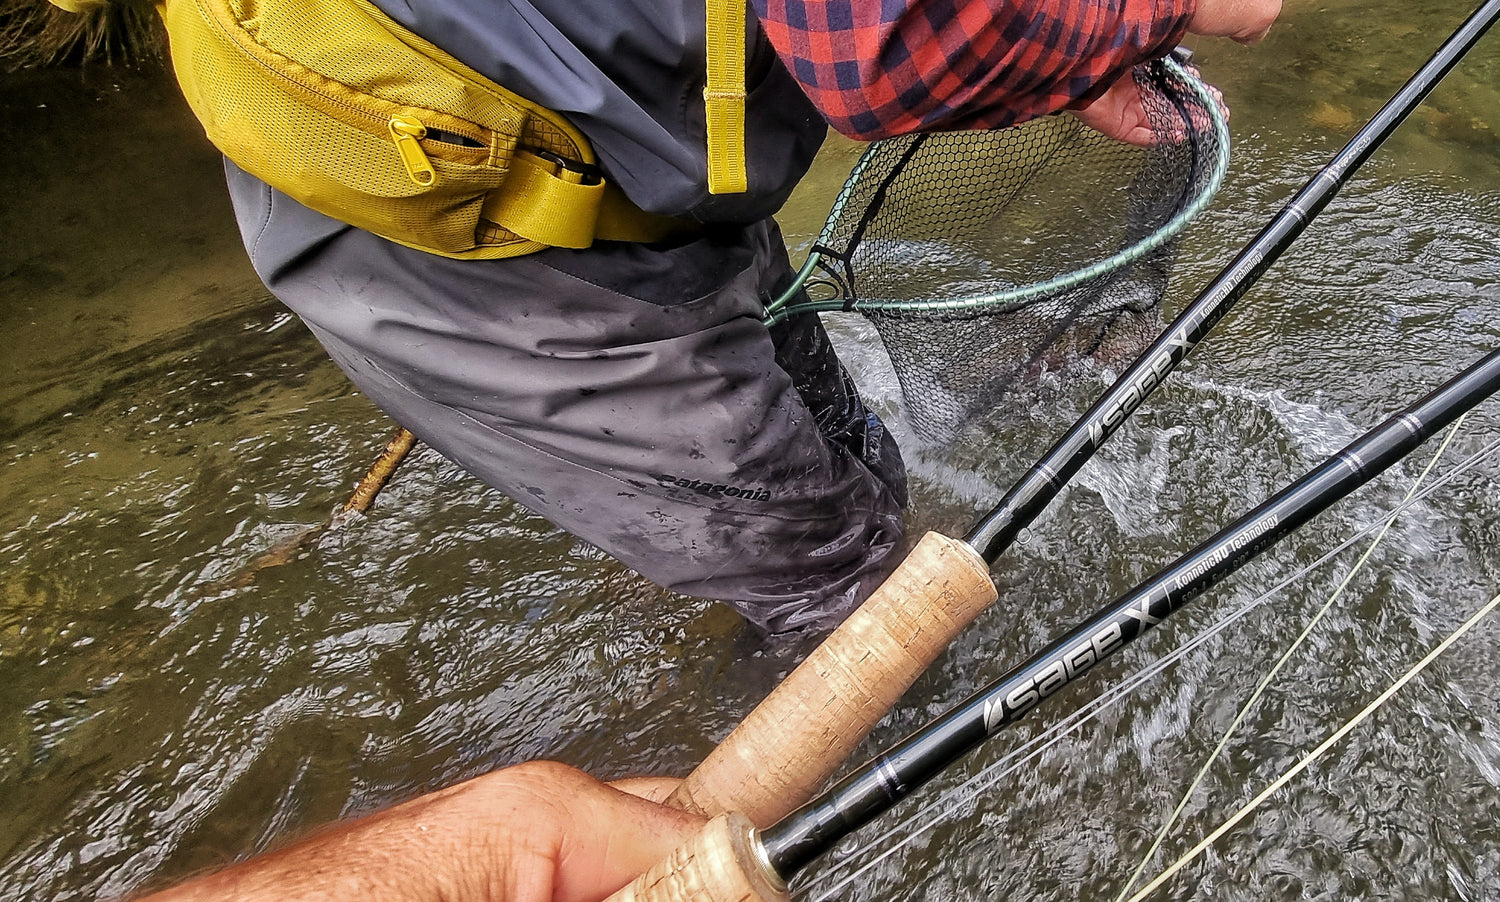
[[878, 68]]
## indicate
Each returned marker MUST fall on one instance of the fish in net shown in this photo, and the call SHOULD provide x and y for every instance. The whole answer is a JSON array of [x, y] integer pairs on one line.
[[985, 257]]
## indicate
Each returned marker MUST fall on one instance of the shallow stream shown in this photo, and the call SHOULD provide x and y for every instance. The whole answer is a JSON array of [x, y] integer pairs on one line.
[[163, 420]]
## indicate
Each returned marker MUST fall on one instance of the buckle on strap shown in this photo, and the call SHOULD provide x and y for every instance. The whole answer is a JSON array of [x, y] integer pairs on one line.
[[545, 201]]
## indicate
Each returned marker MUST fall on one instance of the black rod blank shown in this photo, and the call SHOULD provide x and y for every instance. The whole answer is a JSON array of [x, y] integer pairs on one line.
[[995, 532], [875, 787], [866, 793]]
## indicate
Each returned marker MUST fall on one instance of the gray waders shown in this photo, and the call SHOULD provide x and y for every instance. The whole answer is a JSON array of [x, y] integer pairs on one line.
[[627, 393]]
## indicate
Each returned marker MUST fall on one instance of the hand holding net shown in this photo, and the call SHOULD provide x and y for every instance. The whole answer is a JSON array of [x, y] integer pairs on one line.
[[984, 257]]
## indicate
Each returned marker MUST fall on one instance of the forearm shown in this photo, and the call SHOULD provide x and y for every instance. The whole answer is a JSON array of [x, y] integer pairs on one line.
[[529, 833], [414, 852], [879, 69]]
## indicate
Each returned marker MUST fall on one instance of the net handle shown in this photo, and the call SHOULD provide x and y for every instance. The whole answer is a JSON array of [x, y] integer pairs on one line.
[[785, 305], [788, 747]]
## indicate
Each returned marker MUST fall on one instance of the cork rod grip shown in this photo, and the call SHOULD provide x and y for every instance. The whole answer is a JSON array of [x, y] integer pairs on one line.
[[793, 741], [723, 863]]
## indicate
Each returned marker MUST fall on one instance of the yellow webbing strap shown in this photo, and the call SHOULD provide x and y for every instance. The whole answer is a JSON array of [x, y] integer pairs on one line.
[[553, 206], [724, 97]]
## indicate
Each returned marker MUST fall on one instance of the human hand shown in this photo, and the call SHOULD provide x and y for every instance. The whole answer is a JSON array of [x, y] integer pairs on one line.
[[1245, 21], [1120, 114], [529, 833]]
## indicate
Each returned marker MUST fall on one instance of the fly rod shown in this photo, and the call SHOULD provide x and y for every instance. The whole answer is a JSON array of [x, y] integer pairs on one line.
[[789, 745], [771, 857]]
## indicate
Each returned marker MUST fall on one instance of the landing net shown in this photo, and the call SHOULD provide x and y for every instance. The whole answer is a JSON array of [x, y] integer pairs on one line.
[[984, 257]]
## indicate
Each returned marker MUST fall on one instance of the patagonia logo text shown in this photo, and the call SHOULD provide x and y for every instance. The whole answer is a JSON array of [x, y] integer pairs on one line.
[[715, 488]]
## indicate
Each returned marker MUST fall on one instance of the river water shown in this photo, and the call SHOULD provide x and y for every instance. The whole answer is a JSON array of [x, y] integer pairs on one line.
[[163, 421]]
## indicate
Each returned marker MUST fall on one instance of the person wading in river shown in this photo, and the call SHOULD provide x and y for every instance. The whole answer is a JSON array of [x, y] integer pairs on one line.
[[627, 390]]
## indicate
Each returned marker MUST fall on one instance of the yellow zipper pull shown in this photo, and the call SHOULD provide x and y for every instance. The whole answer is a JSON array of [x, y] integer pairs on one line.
[[405, 130]]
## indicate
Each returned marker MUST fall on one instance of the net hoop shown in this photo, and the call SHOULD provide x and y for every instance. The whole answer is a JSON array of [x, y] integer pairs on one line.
[[786, 304]]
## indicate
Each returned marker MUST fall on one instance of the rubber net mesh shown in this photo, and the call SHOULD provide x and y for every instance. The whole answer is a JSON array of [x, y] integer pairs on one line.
[[984, 258]]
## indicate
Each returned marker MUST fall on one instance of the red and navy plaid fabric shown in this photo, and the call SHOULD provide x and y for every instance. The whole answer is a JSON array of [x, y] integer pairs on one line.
[[878, 68]]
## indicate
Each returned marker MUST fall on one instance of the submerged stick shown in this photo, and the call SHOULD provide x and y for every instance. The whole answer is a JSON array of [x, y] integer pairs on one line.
[[379, 474], [396, 449]]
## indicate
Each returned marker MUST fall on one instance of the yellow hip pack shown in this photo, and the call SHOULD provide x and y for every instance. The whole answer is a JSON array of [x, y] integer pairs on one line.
[[343, 109]]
